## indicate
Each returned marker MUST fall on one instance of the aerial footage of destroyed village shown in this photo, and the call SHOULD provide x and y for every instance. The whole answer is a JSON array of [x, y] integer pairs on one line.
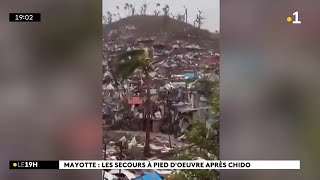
[[160, 89]]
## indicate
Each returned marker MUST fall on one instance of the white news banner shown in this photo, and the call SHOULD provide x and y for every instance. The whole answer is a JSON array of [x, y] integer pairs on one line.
[[179, 164]]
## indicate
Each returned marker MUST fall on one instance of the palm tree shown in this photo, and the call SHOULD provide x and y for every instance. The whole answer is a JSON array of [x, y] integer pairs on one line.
[[118, 13], [126, 7], [133, 9], [130, 7], [157, 12], [141, 10], [126, 64], [166, 10], [145, 5], [186, 13], [166, 15]]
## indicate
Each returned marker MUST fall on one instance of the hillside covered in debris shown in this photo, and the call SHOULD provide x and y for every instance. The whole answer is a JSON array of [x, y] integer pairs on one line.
[[186, 66], [177, 84], [168, 28]]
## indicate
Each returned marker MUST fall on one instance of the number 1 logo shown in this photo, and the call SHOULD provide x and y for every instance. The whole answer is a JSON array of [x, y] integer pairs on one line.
[[296, 18]]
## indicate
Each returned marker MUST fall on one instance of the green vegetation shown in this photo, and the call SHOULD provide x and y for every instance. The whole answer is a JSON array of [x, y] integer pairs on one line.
[[206, 143]]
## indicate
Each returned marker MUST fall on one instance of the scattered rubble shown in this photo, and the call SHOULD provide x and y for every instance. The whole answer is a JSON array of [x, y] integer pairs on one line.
[[179, 65]]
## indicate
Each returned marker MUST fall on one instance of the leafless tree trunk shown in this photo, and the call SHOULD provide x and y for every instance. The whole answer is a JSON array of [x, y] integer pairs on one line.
[[148, 115]]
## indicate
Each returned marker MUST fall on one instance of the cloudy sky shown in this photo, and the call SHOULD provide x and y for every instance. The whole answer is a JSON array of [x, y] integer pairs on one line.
[[210, 9]]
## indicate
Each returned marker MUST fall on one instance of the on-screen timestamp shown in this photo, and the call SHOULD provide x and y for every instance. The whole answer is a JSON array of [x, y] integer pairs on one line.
[[24, 17]]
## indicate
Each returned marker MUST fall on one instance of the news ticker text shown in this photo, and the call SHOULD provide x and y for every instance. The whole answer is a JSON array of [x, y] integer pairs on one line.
[[163, 164]]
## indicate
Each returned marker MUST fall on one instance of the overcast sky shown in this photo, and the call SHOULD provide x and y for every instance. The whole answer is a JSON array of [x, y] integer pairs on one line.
[[210, 9]]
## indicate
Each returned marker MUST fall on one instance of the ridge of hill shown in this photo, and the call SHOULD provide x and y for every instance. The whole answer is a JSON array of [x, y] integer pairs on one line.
[[151, 25]]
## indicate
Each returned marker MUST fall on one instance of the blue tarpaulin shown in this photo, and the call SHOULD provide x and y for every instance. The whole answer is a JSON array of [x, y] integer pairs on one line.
[[149, 176], [189, 75]]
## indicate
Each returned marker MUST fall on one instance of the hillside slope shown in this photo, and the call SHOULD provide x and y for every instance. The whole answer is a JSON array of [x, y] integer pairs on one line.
[[151, 25]]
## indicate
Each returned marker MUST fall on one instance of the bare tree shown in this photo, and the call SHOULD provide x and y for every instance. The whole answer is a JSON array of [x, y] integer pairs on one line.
[[199, 19], [166, 9], [166, 14], [157, 12], [186, 13], [118, 9], [126, 8], [104, 20], [145, 5], [109, 17], [133, 9]]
